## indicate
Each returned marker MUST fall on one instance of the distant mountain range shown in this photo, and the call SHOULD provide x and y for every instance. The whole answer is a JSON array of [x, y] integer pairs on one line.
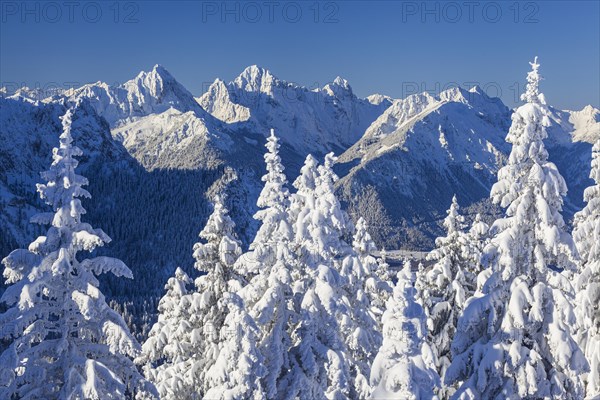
[[154, 154]]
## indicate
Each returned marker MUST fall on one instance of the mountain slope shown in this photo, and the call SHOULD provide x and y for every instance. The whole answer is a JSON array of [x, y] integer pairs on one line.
[[309, 121], [424, 149]]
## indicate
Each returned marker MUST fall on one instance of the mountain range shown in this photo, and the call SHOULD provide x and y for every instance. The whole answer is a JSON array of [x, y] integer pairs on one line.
[[155, 154]]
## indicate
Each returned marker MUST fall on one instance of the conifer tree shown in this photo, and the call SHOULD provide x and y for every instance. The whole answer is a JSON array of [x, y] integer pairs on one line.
[[587, 239], [318, 355], [443, 289], [167, 353], [474, 244], [366, 296], [515, 340], [237, 371], [64, 341], [268, 296], [403, 367], [185, 342]]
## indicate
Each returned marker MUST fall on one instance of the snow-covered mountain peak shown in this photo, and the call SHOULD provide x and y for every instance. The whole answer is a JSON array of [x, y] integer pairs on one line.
[[31, 95], [156, 87], [477, 89], [339, 88], [256, 79], [153, 81], [150, 92], [217, 101], [341, 82], [586, 124], [307, 120]]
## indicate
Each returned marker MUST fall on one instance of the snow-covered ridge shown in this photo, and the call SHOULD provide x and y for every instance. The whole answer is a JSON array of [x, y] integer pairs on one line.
[[586, 124], [151, 92], [309, 120]]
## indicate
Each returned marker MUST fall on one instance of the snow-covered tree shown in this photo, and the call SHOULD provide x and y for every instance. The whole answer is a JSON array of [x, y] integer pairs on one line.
[[269, 296], [318, 354], [186, 338], [274, 201], [383, 268], [365, 295], [166, 354], [515, 340], [403, 367], [587, 238], [475, 241], [330, 223], [375, 274], [236, 373], [305, 185], [64, 341], [444, 287], [216, 256]]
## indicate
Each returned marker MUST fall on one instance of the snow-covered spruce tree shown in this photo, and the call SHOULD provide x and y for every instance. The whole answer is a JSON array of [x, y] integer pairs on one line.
[[185, 342], [330, 222], [383, 268], [403, 367], [166, 354], [268, 296], [237, 372], [305, 185], [319, 363], [216, 256], [374, 275], [443, 289], [587, 238], [515, 340], [475, 241], [64, 340], [365, 295]]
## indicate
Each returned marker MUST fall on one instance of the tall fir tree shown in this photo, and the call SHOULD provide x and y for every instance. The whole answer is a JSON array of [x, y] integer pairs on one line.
[[365, 295], [268, 296], [238, 369], [475, 241], [403, 367], [444, 288], [64, 340], [216, 256], [515, 340], [190, 342], [318, 353], [587, 238], [167, 353]]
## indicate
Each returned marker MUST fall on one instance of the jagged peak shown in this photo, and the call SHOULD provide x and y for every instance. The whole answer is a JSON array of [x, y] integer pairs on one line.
[[339, 81], [255, 78], [157, 75], [338, 88], [589, 109]]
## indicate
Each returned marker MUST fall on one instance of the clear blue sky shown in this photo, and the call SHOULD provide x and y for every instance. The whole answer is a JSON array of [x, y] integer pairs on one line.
[[392, 48]]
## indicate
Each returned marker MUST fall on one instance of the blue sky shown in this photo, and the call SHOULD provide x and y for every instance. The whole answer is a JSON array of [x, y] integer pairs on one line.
[[393, 48]]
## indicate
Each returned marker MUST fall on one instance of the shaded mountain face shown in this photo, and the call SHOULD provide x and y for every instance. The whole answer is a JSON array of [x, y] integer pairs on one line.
[[155, 155]]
